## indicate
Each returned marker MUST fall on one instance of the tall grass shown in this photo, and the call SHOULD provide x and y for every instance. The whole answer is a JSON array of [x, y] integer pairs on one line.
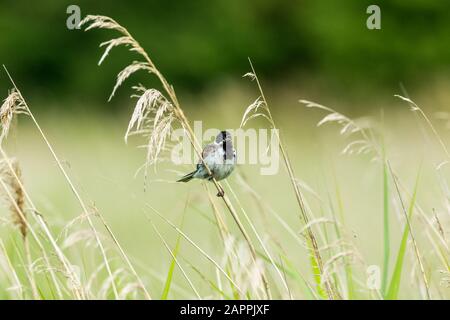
[[16, 104], [257, 250], [155, 114]]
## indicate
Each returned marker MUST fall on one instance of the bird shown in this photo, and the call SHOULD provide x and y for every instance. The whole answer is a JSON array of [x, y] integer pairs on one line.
[[219, 156]]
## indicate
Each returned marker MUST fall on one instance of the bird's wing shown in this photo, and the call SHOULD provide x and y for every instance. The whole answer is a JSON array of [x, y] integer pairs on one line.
[[209, 149]]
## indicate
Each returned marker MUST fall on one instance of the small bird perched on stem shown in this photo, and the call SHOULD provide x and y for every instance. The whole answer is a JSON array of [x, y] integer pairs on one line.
[[219, 156]]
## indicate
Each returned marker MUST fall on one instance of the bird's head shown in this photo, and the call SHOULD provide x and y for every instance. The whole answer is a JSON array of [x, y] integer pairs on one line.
[[223, 136]]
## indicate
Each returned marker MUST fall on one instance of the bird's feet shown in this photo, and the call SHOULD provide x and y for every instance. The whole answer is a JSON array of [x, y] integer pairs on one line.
[[221, 193]]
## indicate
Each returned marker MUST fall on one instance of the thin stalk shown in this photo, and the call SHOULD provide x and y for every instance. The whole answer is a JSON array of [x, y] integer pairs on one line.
[[125, 257], [72, 187], [78, 293], [15, 279], [415, 107], [180, 116], [266, 251], [224, 234], [194, 142], [416, 249], [330, 291], [394, 285], [176, 260], [32, 279], [207, 256], [340, 206], [386, 234], [251, 247]]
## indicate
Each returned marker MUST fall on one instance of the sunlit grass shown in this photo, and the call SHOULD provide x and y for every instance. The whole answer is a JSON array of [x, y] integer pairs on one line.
[[104, 169], [347, 198]]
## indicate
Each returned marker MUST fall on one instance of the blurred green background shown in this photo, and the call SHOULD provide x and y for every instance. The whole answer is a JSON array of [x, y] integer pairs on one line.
[[198, 44]]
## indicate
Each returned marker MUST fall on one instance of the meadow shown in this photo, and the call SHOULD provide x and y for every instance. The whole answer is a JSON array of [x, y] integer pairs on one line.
[[371, 187]]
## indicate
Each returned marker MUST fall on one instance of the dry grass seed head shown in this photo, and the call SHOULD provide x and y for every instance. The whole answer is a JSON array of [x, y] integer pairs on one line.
[[250, 75], [103, 22], [11, 106], [14, 193], [153, 114], [127, 72], [252, 112], [152, 118], [86, 236], [365, 144], [247, 272]]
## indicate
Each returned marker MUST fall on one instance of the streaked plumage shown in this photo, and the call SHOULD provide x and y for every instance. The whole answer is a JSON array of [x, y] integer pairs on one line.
[[219, 156]]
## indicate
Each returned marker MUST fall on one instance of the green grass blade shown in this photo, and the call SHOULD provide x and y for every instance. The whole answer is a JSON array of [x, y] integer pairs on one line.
[[348, 269], [394, 285], [316, 271], [169, 278], [386, 238], [288, 269], [210, 282]]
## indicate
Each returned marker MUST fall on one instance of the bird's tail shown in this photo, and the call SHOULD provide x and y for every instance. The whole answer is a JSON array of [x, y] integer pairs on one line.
[[187, 177]]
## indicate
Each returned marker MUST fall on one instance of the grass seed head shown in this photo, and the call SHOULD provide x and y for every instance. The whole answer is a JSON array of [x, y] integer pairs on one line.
[[12, 193], [11, 106]]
